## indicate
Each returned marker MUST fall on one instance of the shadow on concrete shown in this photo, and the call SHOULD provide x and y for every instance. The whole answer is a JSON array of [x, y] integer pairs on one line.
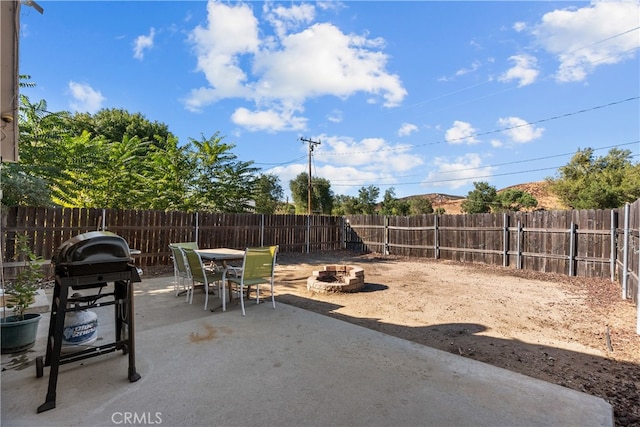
[[616, 382]]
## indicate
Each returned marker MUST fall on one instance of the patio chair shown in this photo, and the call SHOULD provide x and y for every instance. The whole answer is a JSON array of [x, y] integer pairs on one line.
[[191, 245], [180, 270], [258, 267], [188, 245], [200, 274]]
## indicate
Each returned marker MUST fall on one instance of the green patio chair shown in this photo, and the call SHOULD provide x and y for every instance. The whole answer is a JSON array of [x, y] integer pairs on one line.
[[258, 267], [180, 270], [200, 274]]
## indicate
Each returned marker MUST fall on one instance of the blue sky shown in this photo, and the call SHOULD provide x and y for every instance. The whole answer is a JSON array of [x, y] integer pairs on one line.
[[419, 96]]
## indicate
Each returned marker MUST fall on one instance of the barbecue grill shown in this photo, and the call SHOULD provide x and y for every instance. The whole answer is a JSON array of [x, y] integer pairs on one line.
[[98, 264]]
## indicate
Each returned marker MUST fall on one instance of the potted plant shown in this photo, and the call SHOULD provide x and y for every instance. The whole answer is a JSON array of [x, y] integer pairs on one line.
[[19, 330]]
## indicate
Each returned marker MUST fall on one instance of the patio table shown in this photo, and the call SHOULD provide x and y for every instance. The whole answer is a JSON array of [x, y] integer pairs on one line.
[[222, 255]]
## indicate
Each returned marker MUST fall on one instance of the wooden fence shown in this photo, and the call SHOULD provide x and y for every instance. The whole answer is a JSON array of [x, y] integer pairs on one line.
[[585, 243], [152, 231]]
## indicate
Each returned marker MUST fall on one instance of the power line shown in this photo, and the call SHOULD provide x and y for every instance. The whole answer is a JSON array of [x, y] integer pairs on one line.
[[557, 56], [463, 178], [548, 119], [515, 161], [281, 163]]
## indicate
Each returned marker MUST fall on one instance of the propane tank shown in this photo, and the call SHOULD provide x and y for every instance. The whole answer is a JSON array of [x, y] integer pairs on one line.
[[80, 327]]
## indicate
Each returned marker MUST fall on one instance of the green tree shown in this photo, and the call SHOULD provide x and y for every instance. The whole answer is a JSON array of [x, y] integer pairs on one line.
[[115, 159], [114, 124], [480, 199], [589, 182], [41, 156], [221, 182], [321, 194], [299, 192], [514, 200], [81, 162], [166, 179], [345, 205], [268, 194], [19, 188], [420, 206], [390, 205], [367, 197], [119, 178]]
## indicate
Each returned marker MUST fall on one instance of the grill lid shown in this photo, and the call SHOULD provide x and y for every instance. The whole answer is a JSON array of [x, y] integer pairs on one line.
[[93, 247]]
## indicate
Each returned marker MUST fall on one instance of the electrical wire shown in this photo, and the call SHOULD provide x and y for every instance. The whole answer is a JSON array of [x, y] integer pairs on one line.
[[475, 178], [513, 162], [281, 163], [557, 56], [491, 132]]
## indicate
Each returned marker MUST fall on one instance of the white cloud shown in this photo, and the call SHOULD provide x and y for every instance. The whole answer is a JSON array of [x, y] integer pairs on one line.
[[461, 171], [474, 66], [519, 26], [346, 179], [587, 37], [343, 179], [407, 129], [519, 130], [285, 19], [375, 153], [268, 120], [231, 32], [525, 70], [348, 164], [322, 60], [143, 43], [282, 72], [476, 44], [85, 98], [335, 116], [461, 133]]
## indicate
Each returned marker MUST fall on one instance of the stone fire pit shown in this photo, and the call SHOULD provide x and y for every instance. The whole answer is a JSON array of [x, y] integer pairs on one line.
[[337, 278]]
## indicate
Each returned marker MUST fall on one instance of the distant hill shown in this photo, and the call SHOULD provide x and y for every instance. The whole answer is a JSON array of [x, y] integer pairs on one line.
[[539, 190]]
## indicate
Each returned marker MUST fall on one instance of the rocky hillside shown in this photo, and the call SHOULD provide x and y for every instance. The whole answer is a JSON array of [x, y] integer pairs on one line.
[[539, 190]]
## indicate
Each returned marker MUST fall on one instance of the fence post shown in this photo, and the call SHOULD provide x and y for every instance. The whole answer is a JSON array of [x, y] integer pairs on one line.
[[436, 240], [519, 249], [625, 253], [345, 229], [505, 239], [262, 230], [104, 219], [572, 242], [614, 252], [197, 226], [386, 235], [638, 289], [308, 236]]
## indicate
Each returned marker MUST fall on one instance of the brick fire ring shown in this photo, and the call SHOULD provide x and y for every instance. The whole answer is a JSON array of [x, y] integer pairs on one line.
[[337, 278]]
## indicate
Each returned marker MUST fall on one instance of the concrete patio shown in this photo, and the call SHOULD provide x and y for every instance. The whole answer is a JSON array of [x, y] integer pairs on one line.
[[282, 367]]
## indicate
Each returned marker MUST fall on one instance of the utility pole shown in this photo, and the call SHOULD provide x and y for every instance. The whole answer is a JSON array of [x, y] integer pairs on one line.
[[312, 145]]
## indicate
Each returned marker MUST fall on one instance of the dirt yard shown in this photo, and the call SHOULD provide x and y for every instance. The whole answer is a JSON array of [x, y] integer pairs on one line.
[[574, 332]]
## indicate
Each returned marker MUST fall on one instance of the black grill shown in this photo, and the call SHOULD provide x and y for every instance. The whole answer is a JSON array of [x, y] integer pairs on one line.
[[90, 253], [91, 262]]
